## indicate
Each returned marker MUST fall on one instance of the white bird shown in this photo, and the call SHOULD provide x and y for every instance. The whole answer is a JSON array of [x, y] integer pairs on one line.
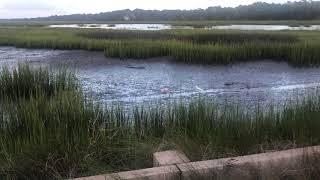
[[199, 89]]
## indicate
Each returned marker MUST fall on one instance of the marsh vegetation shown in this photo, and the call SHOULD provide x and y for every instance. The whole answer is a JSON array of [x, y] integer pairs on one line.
[[50, 130], [189, 46]]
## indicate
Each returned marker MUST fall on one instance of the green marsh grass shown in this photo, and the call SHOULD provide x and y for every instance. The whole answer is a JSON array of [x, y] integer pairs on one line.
[[64, 134], [195, 36], [48, 130], [298, 48], [25, 82]]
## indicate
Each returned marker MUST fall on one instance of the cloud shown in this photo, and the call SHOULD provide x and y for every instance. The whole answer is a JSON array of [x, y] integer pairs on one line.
[[27, 8]]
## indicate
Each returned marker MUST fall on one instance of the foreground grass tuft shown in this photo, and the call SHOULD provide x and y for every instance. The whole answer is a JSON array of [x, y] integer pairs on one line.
[[25, 82]]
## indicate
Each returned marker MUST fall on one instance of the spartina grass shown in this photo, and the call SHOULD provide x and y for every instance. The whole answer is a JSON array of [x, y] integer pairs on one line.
[[63, 134], [188, 46]]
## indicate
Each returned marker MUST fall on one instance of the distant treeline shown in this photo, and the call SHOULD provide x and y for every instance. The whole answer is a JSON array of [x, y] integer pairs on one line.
[[301, 10]]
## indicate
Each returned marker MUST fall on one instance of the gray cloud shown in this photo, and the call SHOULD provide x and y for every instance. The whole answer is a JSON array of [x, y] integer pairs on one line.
[[27, 9], [27, 6]]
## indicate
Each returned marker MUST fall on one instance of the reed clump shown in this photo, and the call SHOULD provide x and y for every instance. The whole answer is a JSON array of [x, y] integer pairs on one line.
[[49, 130], [25, 82]]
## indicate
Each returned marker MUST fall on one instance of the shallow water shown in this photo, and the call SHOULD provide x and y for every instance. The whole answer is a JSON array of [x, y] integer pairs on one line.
[[160, 80], [121, 26], [268, 27], [167, 26]]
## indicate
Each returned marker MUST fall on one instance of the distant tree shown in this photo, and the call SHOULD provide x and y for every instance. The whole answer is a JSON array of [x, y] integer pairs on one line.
[[299, 10]]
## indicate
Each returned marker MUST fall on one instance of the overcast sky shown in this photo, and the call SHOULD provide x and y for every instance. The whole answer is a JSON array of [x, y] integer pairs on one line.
[[37, 8]]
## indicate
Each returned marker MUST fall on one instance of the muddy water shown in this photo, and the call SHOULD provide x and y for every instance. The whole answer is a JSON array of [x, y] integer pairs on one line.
[[159, 80], [268, 27]]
